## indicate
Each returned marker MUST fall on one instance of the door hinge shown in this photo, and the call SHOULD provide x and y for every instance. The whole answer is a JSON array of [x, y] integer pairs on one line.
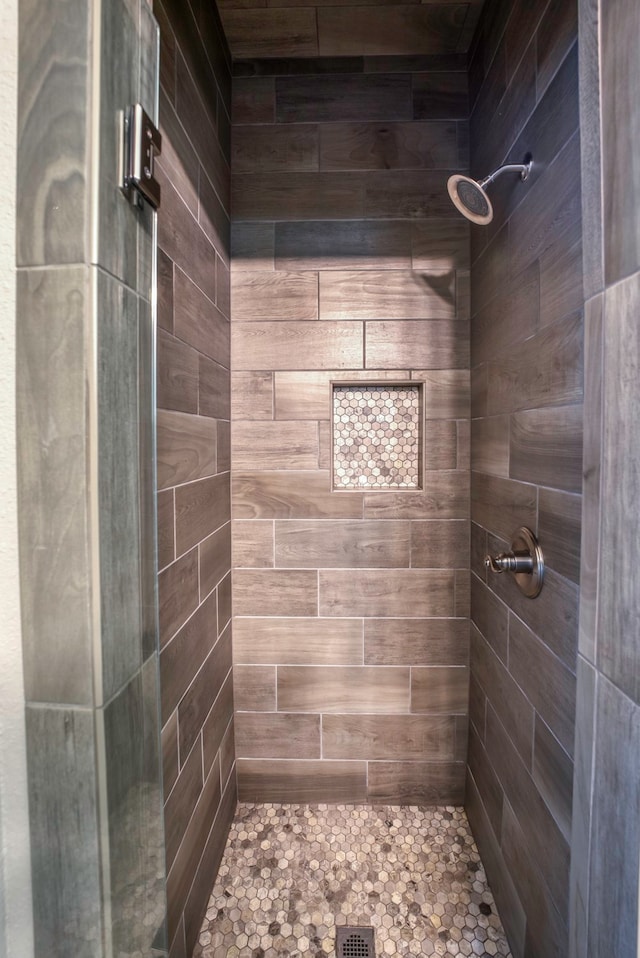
[[141, 143]]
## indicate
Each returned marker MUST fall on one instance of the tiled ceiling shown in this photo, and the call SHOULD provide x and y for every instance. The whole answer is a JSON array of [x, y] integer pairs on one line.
[[347, 28]]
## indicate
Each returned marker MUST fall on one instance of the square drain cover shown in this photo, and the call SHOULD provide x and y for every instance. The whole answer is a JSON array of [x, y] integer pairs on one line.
[[354, 942]]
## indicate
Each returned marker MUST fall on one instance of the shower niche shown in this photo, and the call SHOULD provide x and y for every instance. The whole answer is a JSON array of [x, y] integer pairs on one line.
[[377, 435]]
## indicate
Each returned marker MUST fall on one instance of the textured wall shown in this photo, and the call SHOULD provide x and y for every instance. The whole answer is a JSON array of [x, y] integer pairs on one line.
[[193, 458], [16, 920], [526, 460], [606, 806], [348, 262]]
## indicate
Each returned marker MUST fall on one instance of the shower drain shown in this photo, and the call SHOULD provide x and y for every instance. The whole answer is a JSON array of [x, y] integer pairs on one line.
[[353, 942]]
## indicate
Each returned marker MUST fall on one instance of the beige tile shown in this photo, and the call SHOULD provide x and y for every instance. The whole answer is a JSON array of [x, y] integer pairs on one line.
[[298, 641]]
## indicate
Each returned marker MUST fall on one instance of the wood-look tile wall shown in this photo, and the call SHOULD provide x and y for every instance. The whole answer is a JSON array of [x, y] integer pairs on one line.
[[605, 865], [348, 263], [194, 527], [526, 461]]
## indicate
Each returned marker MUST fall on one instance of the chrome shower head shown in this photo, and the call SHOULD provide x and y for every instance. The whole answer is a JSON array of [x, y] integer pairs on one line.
[[470, 197]]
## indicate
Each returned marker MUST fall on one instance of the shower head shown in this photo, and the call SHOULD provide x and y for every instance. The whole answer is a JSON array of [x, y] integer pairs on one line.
[[470, 197]]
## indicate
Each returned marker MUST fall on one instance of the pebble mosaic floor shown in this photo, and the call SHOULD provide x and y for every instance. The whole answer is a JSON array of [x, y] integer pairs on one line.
[[291, 873]]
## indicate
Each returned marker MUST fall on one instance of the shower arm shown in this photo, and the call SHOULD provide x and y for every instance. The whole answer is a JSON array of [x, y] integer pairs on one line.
[[522, 168]]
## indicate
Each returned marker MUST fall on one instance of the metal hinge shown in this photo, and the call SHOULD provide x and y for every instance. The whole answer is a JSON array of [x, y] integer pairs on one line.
[[141, 143]]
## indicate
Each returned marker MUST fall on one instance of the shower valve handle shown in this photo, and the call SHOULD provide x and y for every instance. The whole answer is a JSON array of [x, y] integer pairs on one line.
[[510, 562], [525, 561]]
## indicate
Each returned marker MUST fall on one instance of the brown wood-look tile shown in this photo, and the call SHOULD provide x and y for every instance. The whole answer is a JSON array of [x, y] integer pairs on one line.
[[213, 217], [463, 427], [502, 505], [445, 496], [512, 706], [479, 549], [254, 100], [298, 196], [224, 603], [491, 617], [251, 395], [342, 544], [429, 344], [426, 642], [562, 278], [265, 296], [559, 527], [556, 35], [228, 757], [462, 607], [177, 594], [277, 735], [549, 211], [442, 689], [551, 856], [179, 162], [490, 445], [486, 780], [326, 244], [549, 684], [299, 345], [274, 148], [217, 723], [186, 448], [325, 689], [182, 657], [215, 558], [546, 447], [301, 781], [196, 702], [440, 95], [440, 244], [254, 688], [198, 321], [555, 620], [397, 294], [338, 98], [165, 291], [396, 592], [170, 753], [303, 395], [252, 246], [279, 445], [511, 316], [416, 783], [180, 876], [166, 537], [292, 495], [275, 592], [252, 544], [180, 237], [445, 392], [298, 641], [213, 389], [440, 439], [406, 195], [223, 446], [430, 145], [553, 775], [271, 32], [547, 931], [440, 544], [389, 737], [377, 30], [181, 803], [201, 507]]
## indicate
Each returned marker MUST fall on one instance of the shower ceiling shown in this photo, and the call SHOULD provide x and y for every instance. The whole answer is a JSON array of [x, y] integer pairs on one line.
[[347, 28]]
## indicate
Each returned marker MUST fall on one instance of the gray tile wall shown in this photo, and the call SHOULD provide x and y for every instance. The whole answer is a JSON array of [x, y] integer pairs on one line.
[[606, 810], [193, 458], [85, 422], [526, 461]]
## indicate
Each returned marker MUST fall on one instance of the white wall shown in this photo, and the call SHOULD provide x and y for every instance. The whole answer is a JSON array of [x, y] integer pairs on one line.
[[16, 925]]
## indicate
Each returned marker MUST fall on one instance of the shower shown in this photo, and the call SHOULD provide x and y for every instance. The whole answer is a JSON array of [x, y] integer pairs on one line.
[[470, 197]]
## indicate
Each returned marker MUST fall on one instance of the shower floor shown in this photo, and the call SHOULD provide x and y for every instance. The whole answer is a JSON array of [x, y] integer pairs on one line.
[[291, 873]]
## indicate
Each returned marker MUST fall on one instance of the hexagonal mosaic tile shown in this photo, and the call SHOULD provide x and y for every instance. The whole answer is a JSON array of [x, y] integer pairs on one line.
[[376, 436], [291, 873]]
